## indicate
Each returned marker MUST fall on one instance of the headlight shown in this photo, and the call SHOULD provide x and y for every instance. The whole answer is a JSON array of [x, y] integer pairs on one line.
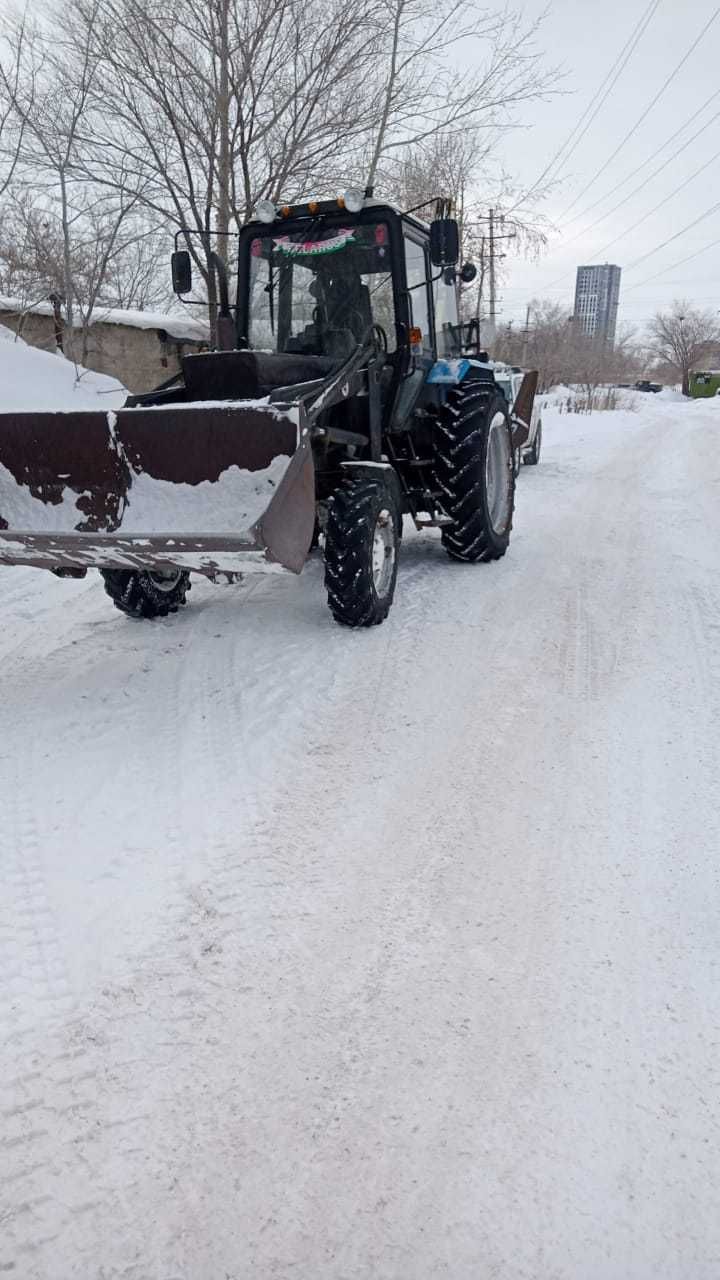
[[265, 211], [354, 200]]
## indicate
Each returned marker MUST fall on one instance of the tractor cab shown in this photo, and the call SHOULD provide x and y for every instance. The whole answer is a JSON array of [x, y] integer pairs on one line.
[[319, 280], [330, 286]]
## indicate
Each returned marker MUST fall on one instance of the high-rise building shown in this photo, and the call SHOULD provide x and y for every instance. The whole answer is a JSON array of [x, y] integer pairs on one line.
[[597, 293]]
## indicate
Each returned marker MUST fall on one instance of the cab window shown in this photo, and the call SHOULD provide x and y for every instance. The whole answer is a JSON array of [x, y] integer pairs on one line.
[[446, 313], [417, 276]]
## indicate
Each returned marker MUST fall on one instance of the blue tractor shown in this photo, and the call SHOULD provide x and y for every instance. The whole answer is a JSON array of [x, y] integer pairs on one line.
[[344, 394]]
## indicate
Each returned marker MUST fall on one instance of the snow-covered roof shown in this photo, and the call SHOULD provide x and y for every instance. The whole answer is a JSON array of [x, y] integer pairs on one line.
[[176, 323]]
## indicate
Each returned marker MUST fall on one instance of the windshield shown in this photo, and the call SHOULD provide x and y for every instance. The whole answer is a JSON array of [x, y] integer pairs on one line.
[[319, 291]]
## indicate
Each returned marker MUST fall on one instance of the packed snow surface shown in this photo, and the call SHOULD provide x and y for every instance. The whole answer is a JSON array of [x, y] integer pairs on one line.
[[380, 955]]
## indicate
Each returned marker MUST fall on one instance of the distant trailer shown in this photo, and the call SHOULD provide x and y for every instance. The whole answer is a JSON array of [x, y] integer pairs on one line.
[[705, 384]]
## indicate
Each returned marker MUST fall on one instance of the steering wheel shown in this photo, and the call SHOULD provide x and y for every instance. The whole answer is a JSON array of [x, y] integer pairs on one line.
[[381, 337]]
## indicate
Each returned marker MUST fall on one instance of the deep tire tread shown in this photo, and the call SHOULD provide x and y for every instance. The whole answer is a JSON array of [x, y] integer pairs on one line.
[[462, 430], [133, 593], [352, 514]]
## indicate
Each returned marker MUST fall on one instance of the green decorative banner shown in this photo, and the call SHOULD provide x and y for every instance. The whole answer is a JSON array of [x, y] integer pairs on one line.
[[311, 248]]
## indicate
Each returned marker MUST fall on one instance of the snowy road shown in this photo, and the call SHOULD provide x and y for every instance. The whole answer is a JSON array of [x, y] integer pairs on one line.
[[379, 956]]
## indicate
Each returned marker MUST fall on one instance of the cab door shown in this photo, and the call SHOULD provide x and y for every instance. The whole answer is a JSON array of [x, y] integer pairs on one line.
[[417, 274], [420, 317]]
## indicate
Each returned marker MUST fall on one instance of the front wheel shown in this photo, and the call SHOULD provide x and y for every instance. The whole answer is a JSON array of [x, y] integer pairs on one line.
[[362, 541], [142, 594]]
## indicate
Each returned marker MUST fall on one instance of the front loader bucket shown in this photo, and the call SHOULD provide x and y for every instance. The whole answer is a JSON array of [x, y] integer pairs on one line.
[[214, 488]]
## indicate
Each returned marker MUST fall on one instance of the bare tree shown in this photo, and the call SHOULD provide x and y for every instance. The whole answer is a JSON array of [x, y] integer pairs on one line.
[[545, 346], [203, 110], [167, 113], [115, 261], [49, 98], [49, 103], [12, 129], [684, 337], [136, 277], [72, 232], [420, 93], [555, 346], [456, 164]]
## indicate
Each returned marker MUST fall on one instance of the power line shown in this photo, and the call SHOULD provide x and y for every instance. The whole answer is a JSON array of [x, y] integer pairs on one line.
[[610, 81], [643, 116], [566, 275], [655, 208], [636, 263], [642, 185], [655, 154], [649, 279]]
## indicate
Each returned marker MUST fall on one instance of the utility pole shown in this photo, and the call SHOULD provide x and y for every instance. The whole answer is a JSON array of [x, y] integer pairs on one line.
[[526, 334], [492, 258], [684, 359], [492, 317], [481, 284]]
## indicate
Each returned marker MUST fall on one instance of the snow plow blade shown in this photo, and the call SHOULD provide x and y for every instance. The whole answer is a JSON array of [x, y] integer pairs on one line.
[[213, 488], [522, 409]]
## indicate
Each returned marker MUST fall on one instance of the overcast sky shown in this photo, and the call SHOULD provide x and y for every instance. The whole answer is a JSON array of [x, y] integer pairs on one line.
[[586, 37]]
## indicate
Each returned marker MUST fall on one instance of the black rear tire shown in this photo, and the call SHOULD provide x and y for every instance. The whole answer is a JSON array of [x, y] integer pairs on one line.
[[474, 466], [533, 457], [142, 594], [362, 541]]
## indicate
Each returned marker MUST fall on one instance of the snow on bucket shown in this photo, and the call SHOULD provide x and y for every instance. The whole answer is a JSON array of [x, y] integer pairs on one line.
[[213, 487]]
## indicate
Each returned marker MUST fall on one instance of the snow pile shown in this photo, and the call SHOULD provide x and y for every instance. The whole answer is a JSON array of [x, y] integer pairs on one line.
[[575, 399], [708, 402], [41, 380]]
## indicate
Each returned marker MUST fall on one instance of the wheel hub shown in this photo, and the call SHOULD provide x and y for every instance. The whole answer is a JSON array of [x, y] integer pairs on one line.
[[498, 469], [165, 581], [383, 553]]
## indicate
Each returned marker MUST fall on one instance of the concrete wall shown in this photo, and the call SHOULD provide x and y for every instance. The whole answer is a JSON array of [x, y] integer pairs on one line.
[[139, 358]]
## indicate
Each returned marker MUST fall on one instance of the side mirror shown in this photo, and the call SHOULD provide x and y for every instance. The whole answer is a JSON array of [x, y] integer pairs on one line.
[[181, 266], [444, 242], [468, 272]]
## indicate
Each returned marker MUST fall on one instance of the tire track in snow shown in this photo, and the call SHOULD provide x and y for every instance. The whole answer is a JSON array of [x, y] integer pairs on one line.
[[55, 1124], [35, 985], [580, 676], [703, 614], [404, 908], [203, 768]]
